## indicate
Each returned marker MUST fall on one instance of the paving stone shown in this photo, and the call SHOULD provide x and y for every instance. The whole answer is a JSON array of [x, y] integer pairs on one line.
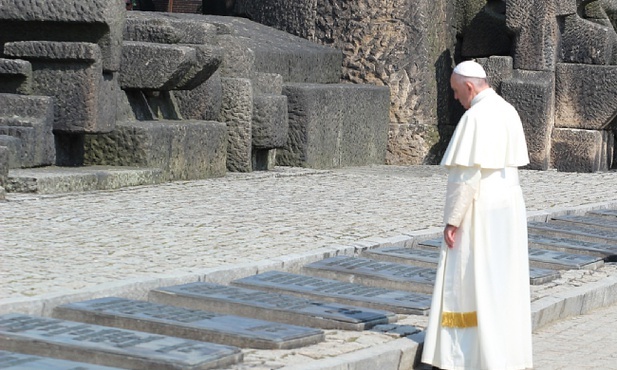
[[20, 361], [336, 291], [587, 221], [573, 232], [190, 324], [572, 245], [109, 346], [270, 306]]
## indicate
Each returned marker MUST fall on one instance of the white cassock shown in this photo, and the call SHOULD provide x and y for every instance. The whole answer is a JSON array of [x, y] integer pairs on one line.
[[481, 312]]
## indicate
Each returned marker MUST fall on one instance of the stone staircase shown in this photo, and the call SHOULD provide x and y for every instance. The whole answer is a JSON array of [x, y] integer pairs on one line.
[[206, 325]]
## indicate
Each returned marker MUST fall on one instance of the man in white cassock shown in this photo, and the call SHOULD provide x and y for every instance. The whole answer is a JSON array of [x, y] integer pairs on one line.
[[481, 312]]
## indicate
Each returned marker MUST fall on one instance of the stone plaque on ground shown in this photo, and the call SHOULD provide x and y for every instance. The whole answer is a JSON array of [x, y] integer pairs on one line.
[[20, 361], [415, 256], [538, 276], [191, 324], [604, 212], [270, 306], [107, 346], [572, 245], [588, 221], [573, 231], [370, 272], [336, 291], [431, 243], [563, 261]]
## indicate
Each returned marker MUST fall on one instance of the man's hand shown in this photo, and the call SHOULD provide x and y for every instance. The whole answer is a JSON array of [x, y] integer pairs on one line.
[[448, 234]]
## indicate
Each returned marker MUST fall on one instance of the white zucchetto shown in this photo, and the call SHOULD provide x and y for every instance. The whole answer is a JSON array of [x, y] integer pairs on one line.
[[470, 68]]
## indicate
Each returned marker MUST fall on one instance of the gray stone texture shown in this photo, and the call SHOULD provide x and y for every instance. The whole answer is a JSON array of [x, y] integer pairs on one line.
[[100, 22], [26, 129], [72, 73], [576, 150], [584, 41], [20, 361], [270, 121], [237, 113], [4, 168], [586, 96], [267, 83], [15, 76], [532, 94], [203, 102], [297, 17], [329, 127], [183, 149], [483, 30], [498, 68]]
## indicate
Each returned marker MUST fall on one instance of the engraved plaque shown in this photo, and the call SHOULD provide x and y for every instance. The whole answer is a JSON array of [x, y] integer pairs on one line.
[[270, 306], [589, 221], [573, 232], [572, 245], [338, 291], [559, 260], [431, 243], [604, 212], [538, 276], [109, 346], [369, 272], [19, 361], [190, 324], [414, 256]]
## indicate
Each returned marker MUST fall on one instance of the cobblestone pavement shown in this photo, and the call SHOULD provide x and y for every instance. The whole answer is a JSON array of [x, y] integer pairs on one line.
[[64, 243]]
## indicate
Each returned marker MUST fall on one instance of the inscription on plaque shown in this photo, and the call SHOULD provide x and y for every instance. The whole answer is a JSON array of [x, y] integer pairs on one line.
[[109, 346], [191, 324], [587, 221], [539, 276], [271, 306], [342, 292], [576, 246], [573, 231], [560, 260], [418, 257], [19, 361], [366, 271]]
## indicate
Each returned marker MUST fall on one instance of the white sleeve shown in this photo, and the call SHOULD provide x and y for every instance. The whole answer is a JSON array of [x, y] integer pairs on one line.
[[463, 184]]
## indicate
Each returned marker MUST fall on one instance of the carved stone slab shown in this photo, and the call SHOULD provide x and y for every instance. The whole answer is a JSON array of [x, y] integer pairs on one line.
[[270, 306], [109, 346], [370, 272], [415, 256], [537, 274], [573, 232], [563, 261], [19, 361], [336, 291], [573, 246], [604, 213], [588, 221], [191, 324]]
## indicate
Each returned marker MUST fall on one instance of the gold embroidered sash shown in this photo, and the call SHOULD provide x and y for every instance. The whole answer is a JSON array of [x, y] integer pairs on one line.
[[459, 319]]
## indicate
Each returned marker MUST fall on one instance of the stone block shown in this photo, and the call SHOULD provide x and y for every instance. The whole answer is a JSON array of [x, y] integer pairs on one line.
[[26, 127], [15, 76], [586, 96], [485, 32], [101, 22], [498, 68], [184, 150], [267, 83], [237, 113], [170, 28], [203, 102], [532, 94], [295, 17], [586, 42], [576, 150], [335, 125], [270, 123], [4, 166], [72, 73], [239, 58]]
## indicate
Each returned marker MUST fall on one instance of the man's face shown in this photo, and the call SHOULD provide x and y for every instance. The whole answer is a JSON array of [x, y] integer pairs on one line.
[[463, 91]]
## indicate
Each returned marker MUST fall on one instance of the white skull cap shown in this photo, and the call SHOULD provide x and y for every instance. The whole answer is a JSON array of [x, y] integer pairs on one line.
[[470, 68]]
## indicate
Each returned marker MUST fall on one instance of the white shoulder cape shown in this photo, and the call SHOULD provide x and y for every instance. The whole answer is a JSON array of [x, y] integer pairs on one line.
[[489, 135]]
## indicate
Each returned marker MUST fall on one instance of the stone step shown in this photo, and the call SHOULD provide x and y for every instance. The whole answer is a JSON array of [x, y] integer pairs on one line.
[[20, 361], [55, 180], [107, 346], [538, 258], [605, 251], [341, 292], [573, 231], [397, 276], [190, 324], [602, 223], [270, 306]]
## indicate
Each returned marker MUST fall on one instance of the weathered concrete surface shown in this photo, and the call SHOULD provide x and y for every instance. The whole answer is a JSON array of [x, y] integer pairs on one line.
[[577, 150]]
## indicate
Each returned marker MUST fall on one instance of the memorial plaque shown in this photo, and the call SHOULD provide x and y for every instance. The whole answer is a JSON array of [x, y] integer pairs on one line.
[[549, 259], [336, 291], [20, 361], [431, 243], [588, 221], [572, 245], [107, 346], [538, 276], [388, 275], [270, 306], [414, 256], [609, 213], [191, 324], [573, 232]]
